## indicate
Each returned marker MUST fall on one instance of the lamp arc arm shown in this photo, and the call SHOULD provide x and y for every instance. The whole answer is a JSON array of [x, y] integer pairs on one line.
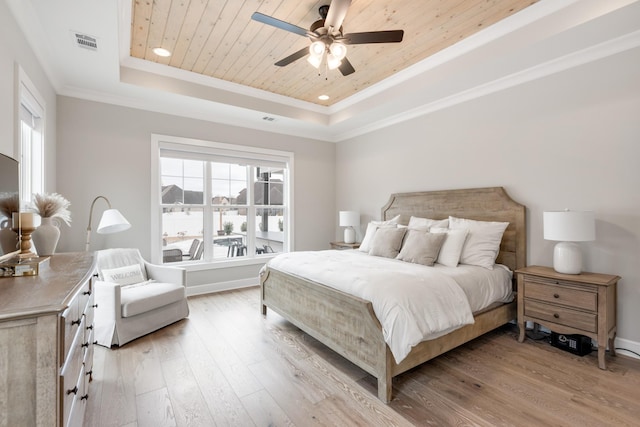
[[86, 247]]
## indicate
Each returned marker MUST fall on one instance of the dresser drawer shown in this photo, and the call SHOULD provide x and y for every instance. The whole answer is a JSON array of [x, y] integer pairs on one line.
[[539, 289], [561, 315], [72, 381], [74, 314]]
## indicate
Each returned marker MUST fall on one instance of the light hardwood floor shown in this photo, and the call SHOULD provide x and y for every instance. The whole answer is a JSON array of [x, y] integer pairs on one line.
[[227, 365]]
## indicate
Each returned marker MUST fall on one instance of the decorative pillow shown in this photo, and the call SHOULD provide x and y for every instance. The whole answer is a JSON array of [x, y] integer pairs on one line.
[[483, 244], [416, 222], [420, 247], [387, 242], [126, 275], [365, 245], [451, 249]]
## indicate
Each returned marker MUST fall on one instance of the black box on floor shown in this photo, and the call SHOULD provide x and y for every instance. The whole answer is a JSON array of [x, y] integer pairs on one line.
[[576, 344]]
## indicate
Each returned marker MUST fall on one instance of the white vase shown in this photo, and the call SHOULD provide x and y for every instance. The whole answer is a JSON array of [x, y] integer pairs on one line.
[[8, 238], [45, 237]]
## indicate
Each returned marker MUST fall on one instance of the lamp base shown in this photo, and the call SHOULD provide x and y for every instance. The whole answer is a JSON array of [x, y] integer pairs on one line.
[[349, 235], [567, 258]]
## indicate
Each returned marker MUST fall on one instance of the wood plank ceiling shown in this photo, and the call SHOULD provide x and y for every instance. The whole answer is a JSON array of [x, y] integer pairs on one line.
[[217, 38]]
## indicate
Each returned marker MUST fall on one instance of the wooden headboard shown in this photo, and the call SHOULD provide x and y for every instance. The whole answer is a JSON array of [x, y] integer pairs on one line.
[[481, 204]]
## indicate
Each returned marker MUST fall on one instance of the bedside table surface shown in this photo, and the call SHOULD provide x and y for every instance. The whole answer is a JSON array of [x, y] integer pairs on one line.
[[343, 245], [584, 277]]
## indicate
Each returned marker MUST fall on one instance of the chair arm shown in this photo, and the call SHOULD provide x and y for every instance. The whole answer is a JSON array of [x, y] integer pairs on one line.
[[163, 273], [107, 296]]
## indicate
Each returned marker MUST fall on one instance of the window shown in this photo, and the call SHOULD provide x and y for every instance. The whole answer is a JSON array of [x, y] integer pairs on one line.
[[31, 140], [219, 202]]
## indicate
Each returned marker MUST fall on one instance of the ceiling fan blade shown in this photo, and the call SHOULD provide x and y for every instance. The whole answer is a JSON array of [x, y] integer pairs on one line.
[[346, 68], [391, 36], [269, 20], [293, 57], [337, 12]]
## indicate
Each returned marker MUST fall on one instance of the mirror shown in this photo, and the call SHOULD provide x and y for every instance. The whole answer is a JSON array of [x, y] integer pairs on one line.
[[9, 203]]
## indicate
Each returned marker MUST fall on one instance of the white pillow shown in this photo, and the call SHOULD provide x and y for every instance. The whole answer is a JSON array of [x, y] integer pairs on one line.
[[126, 275], [420, 247], [483, 244], [387, 242], [365, 245], [451, 247], [417, 222]]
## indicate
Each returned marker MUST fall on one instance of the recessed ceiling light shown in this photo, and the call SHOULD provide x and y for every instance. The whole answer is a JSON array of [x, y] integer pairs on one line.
[[323, 97], [160, 51]]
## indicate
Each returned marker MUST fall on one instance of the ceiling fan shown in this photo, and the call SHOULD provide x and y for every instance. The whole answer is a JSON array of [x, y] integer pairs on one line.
[[327, 37]]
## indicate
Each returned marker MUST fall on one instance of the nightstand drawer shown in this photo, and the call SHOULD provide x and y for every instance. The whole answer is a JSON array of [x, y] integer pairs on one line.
[[561, 294], [561, 315]]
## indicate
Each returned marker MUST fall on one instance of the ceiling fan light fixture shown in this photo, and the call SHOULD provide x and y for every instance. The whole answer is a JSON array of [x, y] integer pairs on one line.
[[317, 48], [338, 50], [315, 60], [333, 62]]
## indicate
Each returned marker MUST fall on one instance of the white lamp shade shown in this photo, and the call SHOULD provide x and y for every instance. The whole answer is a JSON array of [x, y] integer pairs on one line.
[[569, 226], [349, 219], [112, 221]]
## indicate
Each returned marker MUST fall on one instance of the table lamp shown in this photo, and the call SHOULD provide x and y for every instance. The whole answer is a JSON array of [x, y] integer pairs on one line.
[[567, 227], [349, 219]]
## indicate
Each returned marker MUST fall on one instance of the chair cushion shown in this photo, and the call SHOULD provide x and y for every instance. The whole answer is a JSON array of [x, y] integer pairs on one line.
[[146, 296]]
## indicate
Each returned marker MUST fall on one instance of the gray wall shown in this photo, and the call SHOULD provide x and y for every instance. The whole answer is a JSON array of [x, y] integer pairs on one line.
[[571, 140], [105, 150], [14, 49]]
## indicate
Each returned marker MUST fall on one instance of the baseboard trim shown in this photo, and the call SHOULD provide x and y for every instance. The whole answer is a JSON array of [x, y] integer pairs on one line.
[[220, 286], [634, 346]]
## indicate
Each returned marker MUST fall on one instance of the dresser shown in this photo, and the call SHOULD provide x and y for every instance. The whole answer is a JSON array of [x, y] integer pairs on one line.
[[46, 343], [582, 304]]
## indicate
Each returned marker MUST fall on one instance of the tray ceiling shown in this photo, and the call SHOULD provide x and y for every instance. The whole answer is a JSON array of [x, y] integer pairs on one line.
[[218, 39]]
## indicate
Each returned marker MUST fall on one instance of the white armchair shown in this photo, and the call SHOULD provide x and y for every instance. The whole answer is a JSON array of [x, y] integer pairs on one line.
[[135, 297]]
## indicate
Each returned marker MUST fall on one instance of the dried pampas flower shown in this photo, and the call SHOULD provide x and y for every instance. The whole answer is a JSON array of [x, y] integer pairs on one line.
[[52, 205], [9, 203]]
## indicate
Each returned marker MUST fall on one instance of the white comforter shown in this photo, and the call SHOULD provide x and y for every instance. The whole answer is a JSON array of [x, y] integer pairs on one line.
[[413, 303]]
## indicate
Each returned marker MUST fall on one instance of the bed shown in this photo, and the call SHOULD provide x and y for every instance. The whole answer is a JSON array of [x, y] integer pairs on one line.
[[348, 325]]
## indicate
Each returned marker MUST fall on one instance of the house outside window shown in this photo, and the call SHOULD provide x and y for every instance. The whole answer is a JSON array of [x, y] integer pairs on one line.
[[220, 203]]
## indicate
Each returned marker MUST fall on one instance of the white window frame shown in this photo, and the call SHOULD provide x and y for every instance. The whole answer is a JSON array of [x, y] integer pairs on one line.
[[222, 149], [31, 110]]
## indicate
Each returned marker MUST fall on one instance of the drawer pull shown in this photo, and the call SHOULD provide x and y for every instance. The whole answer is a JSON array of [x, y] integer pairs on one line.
[[87, 292], [85, 397], [95, 274], [95, 342], [95, 306], [89, 372], [90, 327], [75, 322], [556, 315], [86, 344], [556, 296], [73, 390]]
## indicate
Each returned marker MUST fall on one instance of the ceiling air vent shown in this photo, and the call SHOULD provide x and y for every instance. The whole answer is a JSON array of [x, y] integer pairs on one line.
[[86, 41]]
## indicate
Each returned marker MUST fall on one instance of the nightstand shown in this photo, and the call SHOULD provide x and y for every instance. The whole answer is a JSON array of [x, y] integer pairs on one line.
[[343, 245], [582, 304]]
